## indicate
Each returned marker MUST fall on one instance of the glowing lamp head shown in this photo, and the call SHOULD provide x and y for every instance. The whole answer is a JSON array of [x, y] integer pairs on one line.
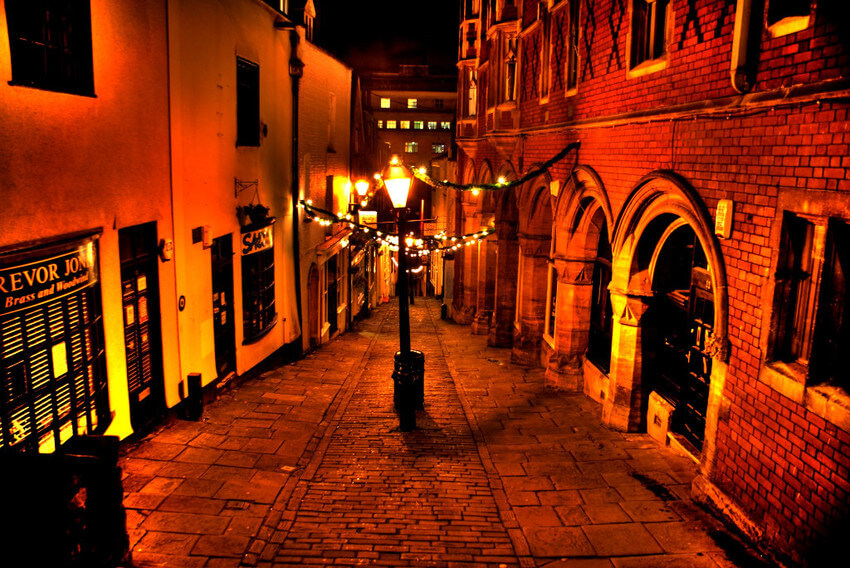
[[502, 180], [362, 186], [397, 180], [475, 191]]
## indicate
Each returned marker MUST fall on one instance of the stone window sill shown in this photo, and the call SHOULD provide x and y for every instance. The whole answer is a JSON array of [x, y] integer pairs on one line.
[[790, 25], [829, 402], [648, 67]]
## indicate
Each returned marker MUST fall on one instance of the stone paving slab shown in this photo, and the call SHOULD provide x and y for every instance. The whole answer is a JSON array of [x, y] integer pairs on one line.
[[304, 466]]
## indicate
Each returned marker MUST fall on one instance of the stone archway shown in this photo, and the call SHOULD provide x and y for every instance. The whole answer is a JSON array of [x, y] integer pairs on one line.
[[662, 224], [582, 263], [506, 220], [535, 238], [465, 263], [486, 253]]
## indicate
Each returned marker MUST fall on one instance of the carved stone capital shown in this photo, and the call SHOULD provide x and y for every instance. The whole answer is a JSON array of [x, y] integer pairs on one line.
[[629, 308], [578, 272], [535, 245]]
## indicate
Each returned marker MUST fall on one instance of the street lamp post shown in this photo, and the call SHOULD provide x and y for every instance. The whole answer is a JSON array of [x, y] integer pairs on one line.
[[409, 370]]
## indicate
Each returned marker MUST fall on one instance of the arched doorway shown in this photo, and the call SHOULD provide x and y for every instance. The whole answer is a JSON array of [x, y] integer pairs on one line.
[[535, 238], [580, 319], [668, 292], [676, 363]]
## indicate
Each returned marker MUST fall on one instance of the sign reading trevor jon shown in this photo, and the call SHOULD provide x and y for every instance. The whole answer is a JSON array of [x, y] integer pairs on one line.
[[32, 283]]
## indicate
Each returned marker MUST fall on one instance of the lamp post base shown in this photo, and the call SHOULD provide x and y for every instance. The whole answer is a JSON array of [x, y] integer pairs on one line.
[[408, 387]]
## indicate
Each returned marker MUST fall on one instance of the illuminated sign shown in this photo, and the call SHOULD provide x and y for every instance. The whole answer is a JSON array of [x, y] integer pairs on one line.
[[23, 286], [257, 241], [368, 217]]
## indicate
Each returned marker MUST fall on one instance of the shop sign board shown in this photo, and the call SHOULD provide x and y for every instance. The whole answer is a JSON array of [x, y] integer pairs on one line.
[[32, 283], [257, 241]]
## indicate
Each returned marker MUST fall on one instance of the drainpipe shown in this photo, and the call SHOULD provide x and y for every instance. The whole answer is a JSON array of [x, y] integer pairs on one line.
[[296, 71], [745, 44]]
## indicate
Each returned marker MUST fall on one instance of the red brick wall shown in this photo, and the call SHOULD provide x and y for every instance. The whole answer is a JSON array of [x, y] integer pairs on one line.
[[785, 466]]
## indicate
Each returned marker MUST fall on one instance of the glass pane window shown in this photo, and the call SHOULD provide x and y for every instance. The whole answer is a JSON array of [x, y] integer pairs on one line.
[[832, 333], [438, 148], [648, 27], [50, 45], [247, 103], [432, 125], [781, 9], [391, 125], [405, 125], [380, 124], [411, 147], [412, 103], [385, 102], [446, 125], [418, 125]]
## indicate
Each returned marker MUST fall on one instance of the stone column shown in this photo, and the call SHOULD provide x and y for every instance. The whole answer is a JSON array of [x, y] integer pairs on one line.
[[486, 287], [572, 323], [469, 259], [532, 300], [622, 406], [507, 259]]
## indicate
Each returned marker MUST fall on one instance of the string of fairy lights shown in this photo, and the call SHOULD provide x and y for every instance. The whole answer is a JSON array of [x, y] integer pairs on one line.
[[427, 245]]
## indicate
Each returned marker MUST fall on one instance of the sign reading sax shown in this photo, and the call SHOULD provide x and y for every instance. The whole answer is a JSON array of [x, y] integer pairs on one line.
[[256, 241], [32, 283]]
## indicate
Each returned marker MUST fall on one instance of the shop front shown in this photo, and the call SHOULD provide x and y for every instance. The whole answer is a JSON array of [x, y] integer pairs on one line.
[[52, 362]]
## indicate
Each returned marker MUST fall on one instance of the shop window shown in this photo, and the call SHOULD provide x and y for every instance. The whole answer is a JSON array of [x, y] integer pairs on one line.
[[432, 125], [258, 300], [404, 125], [446, 125], [385, 102], [380, 124], [418, 125], [787, 16], [411, 147], [649, 22], [412, 103], [572, 44], [601, 313], [52, 362], [50, 45], [391, 125], [438, 148], [247, 103]]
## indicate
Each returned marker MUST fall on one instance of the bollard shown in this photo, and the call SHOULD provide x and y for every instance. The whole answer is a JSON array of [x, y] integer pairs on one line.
[[408, 387], [193, 406]]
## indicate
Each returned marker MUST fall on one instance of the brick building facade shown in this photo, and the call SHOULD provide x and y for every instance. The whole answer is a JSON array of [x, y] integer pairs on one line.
[[685, 265]]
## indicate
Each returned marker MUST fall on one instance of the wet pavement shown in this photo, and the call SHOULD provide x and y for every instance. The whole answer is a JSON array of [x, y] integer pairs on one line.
[[304, 465]]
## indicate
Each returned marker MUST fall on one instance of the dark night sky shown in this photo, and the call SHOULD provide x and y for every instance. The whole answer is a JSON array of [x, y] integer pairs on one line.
[[378, 35]]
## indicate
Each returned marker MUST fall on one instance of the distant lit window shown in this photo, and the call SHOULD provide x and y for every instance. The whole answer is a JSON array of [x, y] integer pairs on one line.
[[380, 124], [438, 148], [418, 125], [446, 125], [412, 103], [411, 147], [50, 45], [405, 125], [391, 125], [649, 20], [247, 103], [385, 103], [432, 125], [439, 104]]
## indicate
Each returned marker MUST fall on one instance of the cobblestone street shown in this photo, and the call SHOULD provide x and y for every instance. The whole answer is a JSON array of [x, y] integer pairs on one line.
[[303, 465]]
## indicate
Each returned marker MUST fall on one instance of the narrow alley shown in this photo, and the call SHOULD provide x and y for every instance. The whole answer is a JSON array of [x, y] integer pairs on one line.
[[304, 465]]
